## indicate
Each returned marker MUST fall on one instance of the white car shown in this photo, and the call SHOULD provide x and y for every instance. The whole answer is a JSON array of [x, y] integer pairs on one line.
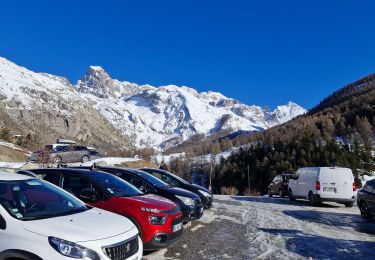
[[319, 184], [41, 221]]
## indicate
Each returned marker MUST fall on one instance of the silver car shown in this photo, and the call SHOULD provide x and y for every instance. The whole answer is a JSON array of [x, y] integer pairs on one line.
[[62, 154]]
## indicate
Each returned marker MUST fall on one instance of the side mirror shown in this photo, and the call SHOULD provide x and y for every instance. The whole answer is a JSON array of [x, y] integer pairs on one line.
[[144, 189], [89, 196]]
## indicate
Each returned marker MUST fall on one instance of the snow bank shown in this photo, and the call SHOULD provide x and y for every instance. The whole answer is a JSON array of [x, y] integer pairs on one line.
[[110, 161], [11, 165]]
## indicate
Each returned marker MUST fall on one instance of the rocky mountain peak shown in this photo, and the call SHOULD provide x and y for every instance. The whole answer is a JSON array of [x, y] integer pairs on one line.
[[96, 82]]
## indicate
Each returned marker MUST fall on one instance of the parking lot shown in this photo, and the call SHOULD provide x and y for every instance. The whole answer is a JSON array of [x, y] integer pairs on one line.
[[274, 228]]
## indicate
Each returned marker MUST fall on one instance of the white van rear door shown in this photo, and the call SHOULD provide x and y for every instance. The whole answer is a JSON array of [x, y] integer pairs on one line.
[[328, 182], [345, 183]]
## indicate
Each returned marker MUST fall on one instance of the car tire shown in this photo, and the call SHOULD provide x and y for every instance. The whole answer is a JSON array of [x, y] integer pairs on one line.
[[281, 194], [84, 159], [57, 160], [291, 195], [269, 193], [365, 213], [349, 204], [313, 200]]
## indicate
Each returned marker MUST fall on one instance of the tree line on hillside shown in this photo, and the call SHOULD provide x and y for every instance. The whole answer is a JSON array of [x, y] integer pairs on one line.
[[338, 132]]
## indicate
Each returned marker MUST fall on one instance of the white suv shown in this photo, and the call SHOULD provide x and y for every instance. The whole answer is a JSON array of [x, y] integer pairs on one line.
[[41, 221]]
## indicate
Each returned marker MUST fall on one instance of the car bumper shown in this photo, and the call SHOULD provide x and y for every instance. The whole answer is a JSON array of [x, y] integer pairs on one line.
[[161, 240], [338, 200], [208, 202], [192, 214]]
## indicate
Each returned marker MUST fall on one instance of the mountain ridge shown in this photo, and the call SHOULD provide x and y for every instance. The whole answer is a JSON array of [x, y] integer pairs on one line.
[[137, 115]]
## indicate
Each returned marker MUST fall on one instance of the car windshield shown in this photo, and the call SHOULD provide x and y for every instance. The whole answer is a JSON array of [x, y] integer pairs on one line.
[[34, 199], [169, 174], [177, 177], [151, 179], [115, 185]]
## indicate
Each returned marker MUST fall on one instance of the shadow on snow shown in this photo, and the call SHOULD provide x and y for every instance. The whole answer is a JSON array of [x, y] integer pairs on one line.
[[282, 201], [344, 221], [319, 247]]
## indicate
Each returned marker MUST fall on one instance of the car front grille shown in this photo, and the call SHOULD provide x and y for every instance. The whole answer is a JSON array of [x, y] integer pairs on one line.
[[171, 211], [176, 221], [122, 250], [197, 202]]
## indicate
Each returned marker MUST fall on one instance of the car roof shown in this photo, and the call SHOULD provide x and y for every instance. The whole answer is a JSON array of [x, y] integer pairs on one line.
[[4, 176], [68, 170]]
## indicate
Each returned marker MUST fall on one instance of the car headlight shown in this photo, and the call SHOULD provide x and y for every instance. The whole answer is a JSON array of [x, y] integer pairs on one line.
[[72, 250], [187, 201], [204, 193], [157, 220], [153, 210]]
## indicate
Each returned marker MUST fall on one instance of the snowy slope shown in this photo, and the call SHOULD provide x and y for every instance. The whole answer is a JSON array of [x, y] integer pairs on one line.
[[166, 115], [49, 107], [22, 88]]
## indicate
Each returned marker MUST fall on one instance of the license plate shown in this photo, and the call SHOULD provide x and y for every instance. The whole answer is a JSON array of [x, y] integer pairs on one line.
[[177, 227], [329, 189]]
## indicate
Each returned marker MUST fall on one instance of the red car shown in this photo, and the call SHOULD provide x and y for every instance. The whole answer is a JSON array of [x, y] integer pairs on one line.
[[159, 220]]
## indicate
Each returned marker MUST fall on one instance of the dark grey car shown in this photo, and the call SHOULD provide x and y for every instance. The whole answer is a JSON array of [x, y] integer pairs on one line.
[[366, 200]]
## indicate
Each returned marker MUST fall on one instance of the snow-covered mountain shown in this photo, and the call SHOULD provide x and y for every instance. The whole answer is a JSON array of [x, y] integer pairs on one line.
[[167, 115], [142, 114]]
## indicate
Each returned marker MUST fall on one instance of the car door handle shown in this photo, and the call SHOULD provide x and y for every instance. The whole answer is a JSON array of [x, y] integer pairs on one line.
[[333, 183]]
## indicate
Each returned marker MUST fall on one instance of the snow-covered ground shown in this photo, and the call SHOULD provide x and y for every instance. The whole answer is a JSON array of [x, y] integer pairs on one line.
[[274, 228], [11, 165]]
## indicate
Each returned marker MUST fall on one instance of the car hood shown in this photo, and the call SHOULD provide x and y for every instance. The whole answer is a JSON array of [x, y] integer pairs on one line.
[[199, 187], [149, 201], [181, 192], [91, 225]]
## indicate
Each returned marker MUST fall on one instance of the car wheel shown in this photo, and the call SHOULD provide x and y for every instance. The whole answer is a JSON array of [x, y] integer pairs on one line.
[[269, 193], [365, 213], [291, 195], [84, 159], [313, 200], [281, 194], [57, 160], [349, 204]]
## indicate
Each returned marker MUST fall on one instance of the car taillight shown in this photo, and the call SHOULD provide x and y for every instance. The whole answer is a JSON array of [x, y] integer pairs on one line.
[[317, 185], [354, 186]]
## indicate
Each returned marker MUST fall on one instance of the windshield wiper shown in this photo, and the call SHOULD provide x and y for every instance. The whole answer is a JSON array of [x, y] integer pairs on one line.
[[70, 212]]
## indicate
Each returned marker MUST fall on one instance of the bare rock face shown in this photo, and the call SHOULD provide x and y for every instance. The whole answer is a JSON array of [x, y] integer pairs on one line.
[[97, 82]]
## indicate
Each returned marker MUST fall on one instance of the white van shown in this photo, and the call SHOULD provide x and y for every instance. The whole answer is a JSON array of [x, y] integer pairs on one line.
[[319, 184], [41, 221]]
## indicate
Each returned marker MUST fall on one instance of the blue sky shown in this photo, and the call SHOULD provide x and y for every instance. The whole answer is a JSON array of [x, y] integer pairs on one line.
[[260, 52]]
